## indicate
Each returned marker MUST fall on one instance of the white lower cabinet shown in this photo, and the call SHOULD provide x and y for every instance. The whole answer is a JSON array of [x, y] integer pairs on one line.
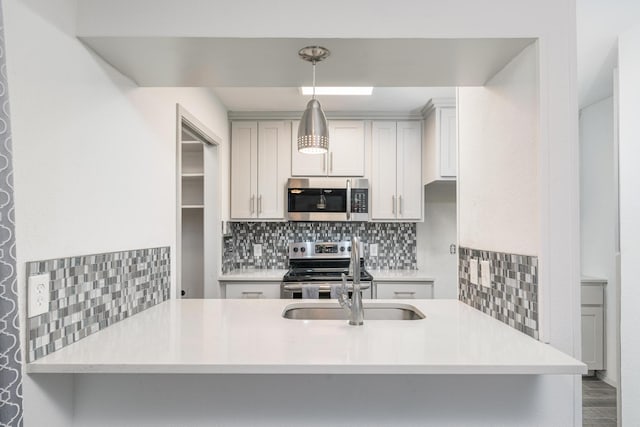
[[592, 320], [404, 290], [252, 290]]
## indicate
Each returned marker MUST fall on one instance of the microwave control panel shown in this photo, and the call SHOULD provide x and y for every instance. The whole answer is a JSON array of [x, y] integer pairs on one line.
[[359, 200]]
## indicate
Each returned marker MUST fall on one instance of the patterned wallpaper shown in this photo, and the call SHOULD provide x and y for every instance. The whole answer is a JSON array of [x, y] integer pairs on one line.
[[396, 242], [89, 293], [10, 357], [512, 294]]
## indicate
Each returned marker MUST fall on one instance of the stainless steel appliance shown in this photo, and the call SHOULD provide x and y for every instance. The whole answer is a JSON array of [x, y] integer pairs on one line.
[[321, 265], [327, 199]]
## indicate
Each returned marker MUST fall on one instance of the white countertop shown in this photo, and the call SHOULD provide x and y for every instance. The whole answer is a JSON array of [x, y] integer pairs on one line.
[[400, 275], [253, 274], [250, 336]]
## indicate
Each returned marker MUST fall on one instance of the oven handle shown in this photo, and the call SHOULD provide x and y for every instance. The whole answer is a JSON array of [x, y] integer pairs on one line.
[[299, 286], [348, 200]]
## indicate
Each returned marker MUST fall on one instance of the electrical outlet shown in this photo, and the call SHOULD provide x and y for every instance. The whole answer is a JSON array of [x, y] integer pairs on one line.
[[38, 294], [473, 271], [373, 249], [485, 272], [257, 250]]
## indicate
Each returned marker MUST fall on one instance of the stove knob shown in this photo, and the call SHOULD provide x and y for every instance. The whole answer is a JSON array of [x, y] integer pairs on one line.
[[295, 249], [349, 248], [341, 248], [303, 249]]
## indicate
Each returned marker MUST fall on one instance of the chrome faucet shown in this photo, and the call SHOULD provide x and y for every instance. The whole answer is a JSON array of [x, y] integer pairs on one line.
[[353, 305]]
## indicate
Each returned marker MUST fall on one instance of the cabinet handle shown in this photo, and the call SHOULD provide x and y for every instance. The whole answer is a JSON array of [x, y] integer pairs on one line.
[[331, 162], [411, 294], [324, 163], [260, 204], [400, 203], [393, 205], [252, 294], [251, 204]]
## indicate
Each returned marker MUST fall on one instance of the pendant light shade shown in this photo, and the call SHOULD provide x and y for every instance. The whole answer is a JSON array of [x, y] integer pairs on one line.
[[313, 132]]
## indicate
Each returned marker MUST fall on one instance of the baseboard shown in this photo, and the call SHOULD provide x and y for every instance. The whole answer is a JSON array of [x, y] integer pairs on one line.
[[603, 376]]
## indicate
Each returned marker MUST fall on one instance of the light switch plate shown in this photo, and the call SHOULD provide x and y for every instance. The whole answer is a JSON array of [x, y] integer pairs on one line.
[[473, 271], [485, 274], [373, 249], [257, 250], [38, 294]]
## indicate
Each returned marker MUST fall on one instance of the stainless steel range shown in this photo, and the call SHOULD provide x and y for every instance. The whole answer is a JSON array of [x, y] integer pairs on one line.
[[319, 266]]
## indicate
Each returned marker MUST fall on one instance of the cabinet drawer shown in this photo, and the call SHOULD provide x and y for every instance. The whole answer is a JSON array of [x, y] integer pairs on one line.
[[404, 290], [252, 290], [592, 294]]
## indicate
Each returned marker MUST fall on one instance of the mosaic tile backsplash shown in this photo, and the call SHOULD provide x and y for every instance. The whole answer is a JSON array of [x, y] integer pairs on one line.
[[512, 295], [89, 293], [396, 242]]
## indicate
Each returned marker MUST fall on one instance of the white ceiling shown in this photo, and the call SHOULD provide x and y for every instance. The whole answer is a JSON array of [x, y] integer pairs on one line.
[[253, 74], [599, 22]]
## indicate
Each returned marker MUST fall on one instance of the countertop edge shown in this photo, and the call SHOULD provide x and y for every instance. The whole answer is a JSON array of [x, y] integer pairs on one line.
[[35, 368]]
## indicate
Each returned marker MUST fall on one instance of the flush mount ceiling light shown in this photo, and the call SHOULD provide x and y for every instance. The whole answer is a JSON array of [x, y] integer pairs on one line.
[[338, 90], [313, 132]]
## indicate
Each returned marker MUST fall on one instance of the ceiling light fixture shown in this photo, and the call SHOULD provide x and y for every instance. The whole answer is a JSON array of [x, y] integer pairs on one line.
[[338, 90], [313, 132]]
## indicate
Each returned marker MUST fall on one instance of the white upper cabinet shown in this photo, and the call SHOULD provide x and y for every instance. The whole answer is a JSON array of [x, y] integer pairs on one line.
[[346, 148], [396, 184], [409, 170], [346, 156], [383, 170], [260, 167], [305, 164], [244, 162], [440, 142]]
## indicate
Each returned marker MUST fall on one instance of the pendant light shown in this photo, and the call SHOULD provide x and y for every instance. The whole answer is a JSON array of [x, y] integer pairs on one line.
[[313, 132]]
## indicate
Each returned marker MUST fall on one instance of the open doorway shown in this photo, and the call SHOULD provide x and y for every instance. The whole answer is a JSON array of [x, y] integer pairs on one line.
[[198, 203]]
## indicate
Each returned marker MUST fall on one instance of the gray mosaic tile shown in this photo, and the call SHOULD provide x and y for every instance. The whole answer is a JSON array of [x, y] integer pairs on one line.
[[512, 295], [396, 242], [91, 292]]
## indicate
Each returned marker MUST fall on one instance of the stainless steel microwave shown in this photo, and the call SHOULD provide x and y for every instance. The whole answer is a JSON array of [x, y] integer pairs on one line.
[[328, 199]]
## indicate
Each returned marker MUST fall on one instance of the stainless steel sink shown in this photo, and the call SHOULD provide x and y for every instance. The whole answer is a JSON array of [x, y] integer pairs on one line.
[[372, 311]]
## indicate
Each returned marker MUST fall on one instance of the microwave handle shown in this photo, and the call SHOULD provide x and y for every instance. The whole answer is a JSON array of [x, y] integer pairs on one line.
[[348, 200]]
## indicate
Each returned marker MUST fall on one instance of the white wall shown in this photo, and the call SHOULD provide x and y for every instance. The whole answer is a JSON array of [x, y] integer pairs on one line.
[[498, 153], [435, 235], [94, 155], [629, 134], [598, 214]]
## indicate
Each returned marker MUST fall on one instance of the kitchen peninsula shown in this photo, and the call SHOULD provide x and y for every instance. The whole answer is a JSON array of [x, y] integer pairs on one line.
[[303, 372]]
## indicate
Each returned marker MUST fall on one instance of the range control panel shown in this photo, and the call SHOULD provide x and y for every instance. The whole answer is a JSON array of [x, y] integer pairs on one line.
[[320, 250]]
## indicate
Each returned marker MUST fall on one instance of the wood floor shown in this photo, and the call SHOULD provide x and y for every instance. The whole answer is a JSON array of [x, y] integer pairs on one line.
[[598, 403]]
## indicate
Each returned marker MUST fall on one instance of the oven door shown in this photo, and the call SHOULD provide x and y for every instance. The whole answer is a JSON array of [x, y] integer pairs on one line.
[[293, 290]]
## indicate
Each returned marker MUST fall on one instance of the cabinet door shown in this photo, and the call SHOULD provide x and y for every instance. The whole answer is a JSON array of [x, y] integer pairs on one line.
[[244, 158], [383, 170], [248, 290], [404, 290], [346, 148], [409, 171], [448, 143], [274, 142], [305, 164], [593, 337]]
